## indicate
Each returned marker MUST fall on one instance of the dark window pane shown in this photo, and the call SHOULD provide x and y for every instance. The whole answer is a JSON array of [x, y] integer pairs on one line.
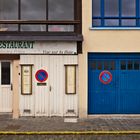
[[99, 65], [61, 9], [93, 65], [61, 28], [8, 27], [106, 65], [8, 9], [96, 22], [128, 7], [111, 7], [33, 9], [112, 65], [123, 65], [5, 73], [96, 7], [136, 65], [130, 65], [128, 22], [111, 22], [33, 28]]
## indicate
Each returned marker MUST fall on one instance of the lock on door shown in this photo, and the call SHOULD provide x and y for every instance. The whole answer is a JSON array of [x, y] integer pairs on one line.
[[50, 88]]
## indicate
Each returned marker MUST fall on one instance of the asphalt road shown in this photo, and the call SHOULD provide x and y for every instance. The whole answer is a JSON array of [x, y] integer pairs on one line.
[[70, 137]]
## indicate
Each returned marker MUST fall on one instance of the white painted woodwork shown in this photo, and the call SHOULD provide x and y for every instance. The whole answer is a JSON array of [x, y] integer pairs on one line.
[[5, 95], [49, 100]]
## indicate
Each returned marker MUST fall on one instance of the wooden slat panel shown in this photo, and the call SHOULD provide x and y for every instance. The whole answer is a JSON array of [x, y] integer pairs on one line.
[[44, 102], [6, 99]]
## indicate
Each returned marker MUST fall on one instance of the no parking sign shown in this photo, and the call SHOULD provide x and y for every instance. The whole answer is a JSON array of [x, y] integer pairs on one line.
[[105, 77], [41, 75]]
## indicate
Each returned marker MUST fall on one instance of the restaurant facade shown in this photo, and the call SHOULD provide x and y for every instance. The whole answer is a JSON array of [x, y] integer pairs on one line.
[[40, 43]]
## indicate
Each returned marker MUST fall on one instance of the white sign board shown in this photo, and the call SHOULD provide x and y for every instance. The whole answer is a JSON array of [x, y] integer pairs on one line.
[[26, 79], [71, 79], [31, 47]]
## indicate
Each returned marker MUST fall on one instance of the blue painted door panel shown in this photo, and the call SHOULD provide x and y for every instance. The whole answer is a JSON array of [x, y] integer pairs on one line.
[[103, 94], [122, 95], [129, 91]]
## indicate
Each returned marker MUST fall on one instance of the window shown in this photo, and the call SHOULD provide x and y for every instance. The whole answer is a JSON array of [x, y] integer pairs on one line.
[[92, 65], [112, 65], [136, 65], [34, 15], [99, 65], [116, 13], [5, 73], [130, 65], [123, 65], [63, 10], [102, 65]]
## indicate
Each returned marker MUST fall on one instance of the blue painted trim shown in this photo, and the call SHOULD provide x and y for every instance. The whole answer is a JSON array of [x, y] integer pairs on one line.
[[102, 12], [92, 13], [113, 55], [123, 17], [120, 17], [114, 28], [120, 11], [137, 12]]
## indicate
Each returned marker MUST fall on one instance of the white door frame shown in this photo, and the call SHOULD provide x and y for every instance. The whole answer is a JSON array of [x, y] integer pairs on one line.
[[6, 98]]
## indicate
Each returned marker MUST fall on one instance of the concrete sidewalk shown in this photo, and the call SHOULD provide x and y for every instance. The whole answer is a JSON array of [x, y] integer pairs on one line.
[[57, 124]]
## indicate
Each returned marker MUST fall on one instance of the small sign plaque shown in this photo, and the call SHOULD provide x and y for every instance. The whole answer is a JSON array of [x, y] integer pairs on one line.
[[41, 84]]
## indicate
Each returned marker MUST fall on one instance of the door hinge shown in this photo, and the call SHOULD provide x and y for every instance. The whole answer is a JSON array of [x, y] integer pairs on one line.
[[11, 86]]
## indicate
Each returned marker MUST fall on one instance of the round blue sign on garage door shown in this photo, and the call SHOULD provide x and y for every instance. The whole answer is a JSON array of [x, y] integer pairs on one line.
[[105, 77], [41, 75]]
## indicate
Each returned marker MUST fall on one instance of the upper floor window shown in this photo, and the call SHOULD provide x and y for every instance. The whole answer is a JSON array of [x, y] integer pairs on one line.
[[37, 15], [116, 13]]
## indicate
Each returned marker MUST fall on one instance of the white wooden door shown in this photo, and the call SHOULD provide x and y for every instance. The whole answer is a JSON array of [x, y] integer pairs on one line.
[[42, 89], [57, 85], [49, 99], [5, 86]]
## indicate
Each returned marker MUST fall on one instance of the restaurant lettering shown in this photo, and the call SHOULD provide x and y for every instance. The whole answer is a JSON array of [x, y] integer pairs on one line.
[[16, 44], [33, 47]]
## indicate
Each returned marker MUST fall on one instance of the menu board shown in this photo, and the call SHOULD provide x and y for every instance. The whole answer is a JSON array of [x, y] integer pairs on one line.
[[26, 80], [71, 79]]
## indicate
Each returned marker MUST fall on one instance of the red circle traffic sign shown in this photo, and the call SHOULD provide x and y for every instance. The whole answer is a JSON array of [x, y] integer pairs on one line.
[[41, 75], [105, 77]]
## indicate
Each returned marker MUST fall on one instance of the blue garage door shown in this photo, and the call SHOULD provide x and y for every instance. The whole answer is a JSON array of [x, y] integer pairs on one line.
[[122, 94]]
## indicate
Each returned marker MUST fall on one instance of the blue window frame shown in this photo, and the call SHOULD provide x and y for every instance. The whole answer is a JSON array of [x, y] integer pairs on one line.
[[115, 13]]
